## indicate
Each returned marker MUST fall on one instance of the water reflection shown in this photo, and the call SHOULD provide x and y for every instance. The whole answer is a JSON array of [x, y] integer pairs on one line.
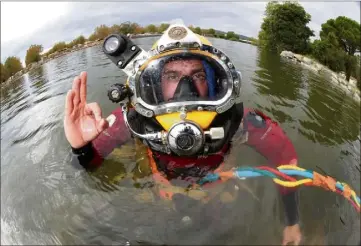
[[278, 84], [333, 117], [37, 79]]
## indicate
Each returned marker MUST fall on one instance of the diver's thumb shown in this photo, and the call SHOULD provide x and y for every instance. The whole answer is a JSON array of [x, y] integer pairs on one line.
[[102, 125]]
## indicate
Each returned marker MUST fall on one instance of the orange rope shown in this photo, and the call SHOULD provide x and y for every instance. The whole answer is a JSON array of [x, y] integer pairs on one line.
[[159, 178], [347, 192], [327, 182]]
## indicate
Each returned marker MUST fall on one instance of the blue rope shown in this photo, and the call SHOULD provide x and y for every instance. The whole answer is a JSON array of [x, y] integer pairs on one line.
[[297, 173]]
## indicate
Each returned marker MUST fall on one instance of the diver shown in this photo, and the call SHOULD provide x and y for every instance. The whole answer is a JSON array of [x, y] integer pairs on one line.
[[183, 102]]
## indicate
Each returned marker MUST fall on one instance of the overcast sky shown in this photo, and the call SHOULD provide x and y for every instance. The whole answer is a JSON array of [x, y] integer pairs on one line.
[[23, 24]]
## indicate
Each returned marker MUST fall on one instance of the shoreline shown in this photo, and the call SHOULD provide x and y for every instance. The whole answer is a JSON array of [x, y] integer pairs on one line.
[[64, 52], [350, 87], [87, 44]]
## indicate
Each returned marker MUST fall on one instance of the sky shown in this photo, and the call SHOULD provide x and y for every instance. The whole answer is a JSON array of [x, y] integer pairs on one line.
[[45, 23]]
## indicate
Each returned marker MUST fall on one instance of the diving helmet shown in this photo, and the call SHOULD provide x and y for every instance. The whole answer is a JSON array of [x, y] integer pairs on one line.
[[185, 92]]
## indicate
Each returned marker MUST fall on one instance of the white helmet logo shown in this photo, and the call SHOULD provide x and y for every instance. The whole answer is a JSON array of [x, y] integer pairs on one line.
[[177, 33]]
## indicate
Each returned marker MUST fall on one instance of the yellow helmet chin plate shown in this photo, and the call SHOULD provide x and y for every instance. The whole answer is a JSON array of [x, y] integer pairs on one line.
[[202, 118]]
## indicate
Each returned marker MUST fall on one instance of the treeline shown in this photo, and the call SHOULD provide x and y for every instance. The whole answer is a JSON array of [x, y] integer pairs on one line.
[[285, 28], [34, 54]]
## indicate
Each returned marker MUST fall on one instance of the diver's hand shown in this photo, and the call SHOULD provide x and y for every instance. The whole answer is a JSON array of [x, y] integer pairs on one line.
[[82, 122], [292, 234]]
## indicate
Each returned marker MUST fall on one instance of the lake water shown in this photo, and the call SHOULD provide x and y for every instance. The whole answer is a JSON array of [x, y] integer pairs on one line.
[[46, 200]]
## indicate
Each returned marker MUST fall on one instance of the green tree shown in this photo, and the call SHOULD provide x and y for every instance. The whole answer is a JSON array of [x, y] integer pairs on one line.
[[33, 54], [115, 29], [357, 71], [232, 36], [102, 31], [135, 28], [79, 40], [211, 32], [130, 27], [3, 73], [326, 53], [198, 30], [163, 27], [285, 28], [13, 65], [151, 28], [343, 34], [254, 41]]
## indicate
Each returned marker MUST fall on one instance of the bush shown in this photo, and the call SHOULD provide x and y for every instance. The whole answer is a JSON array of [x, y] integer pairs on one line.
[[329, 56], [102, 31], [13, 65], [57, 47], [78, 40], [33, 54], [3, 73], [93, 37]]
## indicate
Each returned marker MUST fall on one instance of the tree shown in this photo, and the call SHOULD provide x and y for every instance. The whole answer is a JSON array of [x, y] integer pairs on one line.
[[139, 30], [92, 37], [102, 31], [13, 65], [3, 73], [135, 27], [198, 30], [33, 54], [115, 29], [253, 41], [212, 32], [130, 27], [343, 34], [325, 53], [285, 28], [232, 36], [357, 71], [163, 27], [151, 28]]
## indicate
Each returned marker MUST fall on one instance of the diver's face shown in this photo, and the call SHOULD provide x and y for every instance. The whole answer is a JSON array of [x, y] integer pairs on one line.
[[173, 71]]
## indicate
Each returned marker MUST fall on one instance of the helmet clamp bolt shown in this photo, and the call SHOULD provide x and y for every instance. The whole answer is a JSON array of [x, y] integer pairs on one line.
[[183, 115]]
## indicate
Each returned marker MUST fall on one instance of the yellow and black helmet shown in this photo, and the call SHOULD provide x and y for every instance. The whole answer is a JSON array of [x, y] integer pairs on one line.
[[185, 92], [185, 75]]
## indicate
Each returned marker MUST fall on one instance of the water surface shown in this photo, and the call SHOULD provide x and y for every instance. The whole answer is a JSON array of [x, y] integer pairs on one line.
[[46, 200]]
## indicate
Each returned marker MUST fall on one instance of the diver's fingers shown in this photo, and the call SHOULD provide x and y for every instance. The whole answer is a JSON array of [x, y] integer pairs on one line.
[[69, 103], [94, 108], [83, 84], [76, 89]]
